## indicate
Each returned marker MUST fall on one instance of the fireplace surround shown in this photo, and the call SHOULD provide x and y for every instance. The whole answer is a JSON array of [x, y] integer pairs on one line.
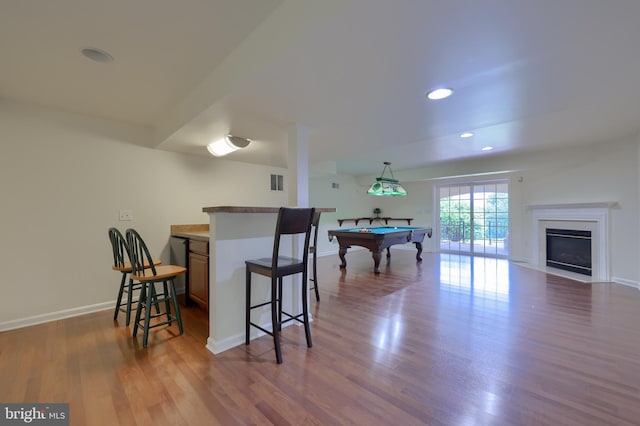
[[592, 217]]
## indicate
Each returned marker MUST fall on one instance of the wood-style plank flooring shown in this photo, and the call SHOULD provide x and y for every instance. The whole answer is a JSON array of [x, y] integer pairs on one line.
[[450, 341]]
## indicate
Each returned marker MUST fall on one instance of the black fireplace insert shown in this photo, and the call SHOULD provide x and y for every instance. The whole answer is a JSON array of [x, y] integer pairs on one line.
[[569, 250]]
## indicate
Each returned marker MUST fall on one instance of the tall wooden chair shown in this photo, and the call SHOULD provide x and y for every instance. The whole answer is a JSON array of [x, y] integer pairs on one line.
[[313, 249], [295, 222], [148, 277], [121, 263]]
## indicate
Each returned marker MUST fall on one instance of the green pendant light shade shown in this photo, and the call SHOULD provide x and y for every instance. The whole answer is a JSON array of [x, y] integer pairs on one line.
[[384, 186]]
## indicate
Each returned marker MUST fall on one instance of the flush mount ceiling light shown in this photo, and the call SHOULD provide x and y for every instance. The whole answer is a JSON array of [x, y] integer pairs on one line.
[[438, 94], [466, 135], [97, 55], [487, 148], [227, 145], [384, 186]]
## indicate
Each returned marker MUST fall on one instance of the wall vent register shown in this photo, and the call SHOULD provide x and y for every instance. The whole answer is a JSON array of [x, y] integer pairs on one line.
[[277, 183]]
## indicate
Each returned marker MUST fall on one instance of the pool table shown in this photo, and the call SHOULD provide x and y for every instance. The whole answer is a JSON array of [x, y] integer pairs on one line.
[[377, 239]]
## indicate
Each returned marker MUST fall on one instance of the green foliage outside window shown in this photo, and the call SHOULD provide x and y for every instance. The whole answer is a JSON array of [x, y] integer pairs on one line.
[[490, 219]]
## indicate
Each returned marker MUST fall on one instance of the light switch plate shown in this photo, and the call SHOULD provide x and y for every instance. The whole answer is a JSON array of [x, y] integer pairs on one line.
[[126, 215]]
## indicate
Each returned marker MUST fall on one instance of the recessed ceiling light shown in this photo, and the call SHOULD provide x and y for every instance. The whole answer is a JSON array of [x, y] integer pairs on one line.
[[439, 94], [487, 148], [466, 135], [96, 55]]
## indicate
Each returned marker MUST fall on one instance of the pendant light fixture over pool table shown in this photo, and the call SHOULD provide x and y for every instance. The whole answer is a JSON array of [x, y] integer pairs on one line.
[[385, 186]]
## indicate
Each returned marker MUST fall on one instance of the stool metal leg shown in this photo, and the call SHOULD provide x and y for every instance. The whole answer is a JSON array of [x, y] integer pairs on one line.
[[279, 304], [247, 306], [315, 276], [275, 314], [305, 310]]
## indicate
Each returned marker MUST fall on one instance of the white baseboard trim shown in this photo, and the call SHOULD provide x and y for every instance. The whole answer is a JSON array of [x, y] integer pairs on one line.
[[335, 252], [55, 316], [577, 277], [559, 273], [216, 347], [626, 282]]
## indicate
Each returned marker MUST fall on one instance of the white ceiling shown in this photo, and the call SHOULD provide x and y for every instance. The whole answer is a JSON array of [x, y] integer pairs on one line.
[[527, 75]]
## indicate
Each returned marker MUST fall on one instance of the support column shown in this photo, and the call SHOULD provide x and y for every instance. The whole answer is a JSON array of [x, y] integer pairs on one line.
[[298, 165], [298, 172]]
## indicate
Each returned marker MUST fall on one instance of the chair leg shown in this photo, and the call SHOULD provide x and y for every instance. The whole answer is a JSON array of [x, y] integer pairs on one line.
[[141, 301], [172, 289], [152, 290], [305, 310], [279, 304], [274, 319], [147, 316], [167, 304], [315, 277], [247, 317], [129, 300], [119, 301]]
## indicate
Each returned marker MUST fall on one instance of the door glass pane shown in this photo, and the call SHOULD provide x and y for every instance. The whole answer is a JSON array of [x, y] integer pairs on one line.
[[455, 215], [474, 218]]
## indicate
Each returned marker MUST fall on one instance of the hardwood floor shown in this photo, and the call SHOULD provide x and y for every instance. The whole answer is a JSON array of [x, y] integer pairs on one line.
[[451, 341]]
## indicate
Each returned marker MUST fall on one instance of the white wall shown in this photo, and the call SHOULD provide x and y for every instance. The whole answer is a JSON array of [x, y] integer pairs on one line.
[[606, 172], [63, 179], [350, 200], [603, 173]]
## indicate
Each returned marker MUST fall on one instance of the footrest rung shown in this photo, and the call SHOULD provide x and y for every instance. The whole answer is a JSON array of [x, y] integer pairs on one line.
[[167, 322], [270, 333]]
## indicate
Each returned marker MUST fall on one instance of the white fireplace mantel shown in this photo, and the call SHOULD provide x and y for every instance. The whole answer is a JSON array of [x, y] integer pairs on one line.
[[599, 205], [597, 214]]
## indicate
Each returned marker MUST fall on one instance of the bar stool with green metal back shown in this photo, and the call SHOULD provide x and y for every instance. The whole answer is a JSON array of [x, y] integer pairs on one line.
[[295, 222], [120, 248], [148, 277]]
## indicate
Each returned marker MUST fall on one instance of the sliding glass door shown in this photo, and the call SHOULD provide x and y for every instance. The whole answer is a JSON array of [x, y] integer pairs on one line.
[[474, 218]]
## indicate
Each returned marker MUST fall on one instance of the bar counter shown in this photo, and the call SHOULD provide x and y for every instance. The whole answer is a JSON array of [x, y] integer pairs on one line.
[[236, 234]]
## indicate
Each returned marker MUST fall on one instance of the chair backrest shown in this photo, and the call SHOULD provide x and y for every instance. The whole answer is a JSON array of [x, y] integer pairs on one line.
[[119, 248], [139, 255], [293, 221]]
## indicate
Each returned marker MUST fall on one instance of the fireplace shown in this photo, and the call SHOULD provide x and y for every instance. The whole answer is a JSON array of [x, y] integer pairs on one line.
[[591, 217], [569, 249]]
